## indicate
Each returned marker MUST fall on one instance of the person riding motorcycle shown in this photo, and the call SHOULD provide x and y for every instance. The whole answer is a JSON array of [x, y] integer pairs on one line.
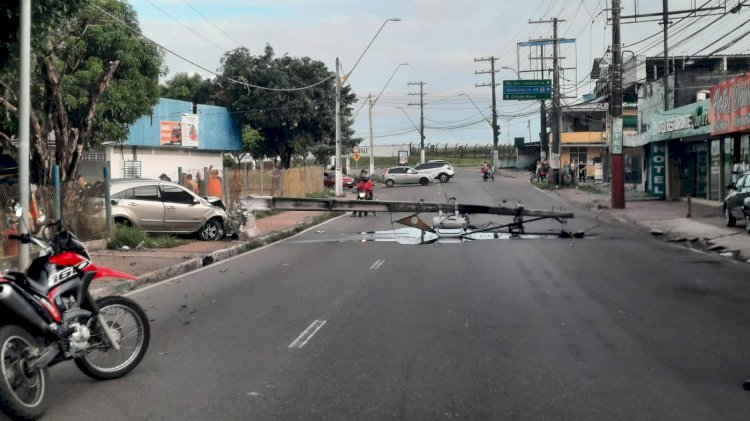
[[365, 185], [487, 171]]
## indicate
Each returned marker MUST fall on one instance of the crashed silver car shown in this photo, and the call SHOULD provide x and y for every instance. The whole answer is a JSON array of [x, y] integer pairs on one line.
[[165, 207]]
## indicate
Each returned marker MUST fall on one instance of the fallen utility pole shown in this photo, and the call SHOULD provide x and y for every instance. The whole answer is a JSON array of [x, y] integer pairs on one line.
[[306, 204]]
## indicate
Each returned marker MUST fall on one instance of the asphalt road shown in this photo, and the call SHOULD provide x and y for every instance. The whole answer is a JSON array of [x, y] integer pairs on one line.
[[325, 327]]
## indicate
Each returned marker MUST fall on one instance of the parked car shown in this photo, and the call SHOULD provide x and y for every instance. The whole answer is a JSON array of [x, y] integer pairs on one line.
[[438, 169], [329, 180], [404, 175], [165, 207], [735, 200]]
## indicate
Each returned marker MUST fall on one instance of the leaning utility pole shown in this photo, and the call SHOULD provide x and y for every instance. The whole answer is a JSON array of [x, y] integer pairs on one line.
[[556, 109], [339, 187], [665, 22], [421, 117], [618, 168], [495, 128]]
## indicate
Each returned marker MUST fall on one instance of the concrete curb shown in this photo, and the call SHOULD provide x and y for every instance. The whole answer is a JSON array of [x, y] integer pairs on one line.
[[122, 286]]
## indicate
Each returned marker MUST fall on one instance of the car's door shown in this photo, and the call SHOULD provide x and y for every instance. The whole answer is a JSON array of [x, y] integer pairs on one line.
[[412, 176], [397, 174], [183, 211], [143, 206], [743, 191]]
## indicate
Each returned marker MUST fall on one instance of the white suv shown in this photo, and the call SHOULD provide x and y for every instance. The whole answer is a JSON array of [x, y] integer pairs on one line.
[[439, 170]]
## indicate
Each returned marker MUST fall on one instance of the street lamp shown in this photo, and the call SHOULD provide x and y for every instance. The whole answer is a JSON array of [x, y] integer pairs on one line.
[[339, 83], [514, 71], [372, 104]]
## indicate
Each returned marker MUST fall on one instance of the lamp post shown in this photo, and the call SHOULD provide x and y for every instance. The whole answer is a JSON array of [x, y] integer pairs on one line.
[[514, 71], [339, 83], [372, 104]]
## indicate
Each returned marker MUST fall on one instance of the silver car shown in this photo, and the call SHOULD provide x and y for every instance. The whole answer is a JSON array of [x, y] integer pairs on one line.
[[165, 207], [404, 175]]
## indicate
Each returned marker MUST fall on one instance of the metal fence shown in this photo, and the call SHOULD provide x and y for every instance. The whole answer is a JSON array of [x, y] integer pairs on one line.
[[81, 210], [477, 151]]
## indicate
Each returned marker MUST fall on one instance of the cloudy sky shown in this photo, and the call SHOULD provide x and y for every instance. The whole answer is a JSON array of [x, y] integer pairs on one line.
[[439, 39]]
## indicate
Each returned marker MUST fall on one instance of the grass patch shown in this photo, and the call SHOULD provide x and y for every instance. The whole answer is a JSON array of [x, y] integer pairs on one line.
[[323, 194], [588, 188], [133, 237], [266, 214]]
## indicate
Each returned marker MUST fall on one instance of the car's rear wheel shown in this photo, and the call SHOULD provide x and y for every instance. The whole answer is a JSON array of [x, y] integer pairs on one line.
[[747, 223], [389, 183], [123, 221], [424, 181], [212, 231], [729, 219], [443, 178]]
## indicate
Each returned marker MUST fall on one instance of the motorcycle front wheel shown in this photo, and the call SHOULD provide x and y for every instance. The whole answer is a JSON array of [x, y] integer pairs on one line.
[[21, 389], [130, 328]]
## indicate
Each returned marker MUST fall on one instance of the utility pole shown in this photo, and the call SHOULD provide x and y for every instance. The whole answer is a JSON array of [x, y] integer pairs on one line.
[[556, 109], [618, 169], [421, 117], [24, 141], [372, 146], [495, 128], [339, 187], [665, 22], [543, 139]]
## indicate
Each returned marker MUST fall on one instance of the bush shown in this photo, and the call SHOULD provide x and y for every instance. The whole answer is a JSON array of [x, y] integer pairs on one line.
[[132, 237]]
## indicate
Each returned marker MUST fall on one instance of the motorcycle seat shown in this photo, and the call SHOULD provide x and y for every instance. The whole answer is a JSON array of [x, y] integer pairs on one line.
[[21, 279]]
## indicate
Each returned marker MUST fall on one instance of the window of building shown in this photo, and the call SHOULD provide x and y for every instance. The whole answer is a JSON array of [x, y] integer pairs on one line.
[[578, 154]]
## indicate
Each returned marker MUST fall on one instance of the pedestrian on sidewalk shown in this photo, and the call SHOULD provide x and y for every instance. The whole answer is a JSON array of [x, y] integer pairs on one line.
[[581, 172]]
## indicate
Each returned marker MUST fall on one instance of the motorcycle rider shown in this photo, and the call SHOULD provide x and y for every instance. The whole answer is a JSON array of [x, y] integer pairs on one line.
[[487, 169], [365, 185]]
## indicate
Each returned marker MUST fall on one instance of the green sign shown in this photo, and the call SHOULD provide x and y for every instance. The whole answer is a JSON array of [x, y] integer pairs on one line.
[[527, 89]]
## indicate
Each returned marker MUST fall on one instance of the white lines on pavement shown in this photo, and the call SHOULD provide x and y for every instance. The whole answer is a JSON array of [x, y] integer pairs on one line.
[[307, 334], [377, 264]]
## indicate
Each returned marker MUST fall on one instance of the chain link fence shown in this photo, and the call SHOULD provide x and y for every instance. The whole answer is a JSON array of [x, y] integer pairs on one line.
[[81, 210]]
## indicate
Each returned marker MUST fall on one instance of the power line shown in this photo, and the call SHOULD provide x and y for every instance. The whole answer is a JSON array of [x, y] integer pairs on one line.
[[239, 82], [212, 24], [185, 26]]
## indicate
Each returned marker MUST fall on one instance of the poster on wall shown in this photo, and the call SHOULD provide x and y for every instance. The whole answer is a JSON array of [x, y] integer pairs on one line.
[[190, 136], [403, 157], [171, 133]]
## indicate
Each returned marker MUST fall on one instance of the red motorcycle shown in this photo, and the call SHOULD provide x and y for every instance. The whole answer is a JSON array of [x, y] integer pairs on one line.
[[49, 316]]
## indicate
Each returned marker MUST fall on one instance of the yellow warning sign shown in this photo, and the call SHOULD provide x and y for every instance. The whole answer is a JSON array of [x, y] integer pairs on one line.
[[356, 156]]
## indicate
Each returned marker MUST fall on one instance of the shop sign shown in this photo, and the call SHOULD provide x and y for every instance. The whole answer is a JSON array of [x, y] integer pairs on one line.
[[673, 124], [658, 170], [730, 106]]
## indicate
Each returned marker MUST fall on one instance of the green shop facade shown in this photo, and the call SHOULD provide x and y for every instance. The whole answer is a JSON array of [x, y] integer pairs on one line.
[[685, 156]]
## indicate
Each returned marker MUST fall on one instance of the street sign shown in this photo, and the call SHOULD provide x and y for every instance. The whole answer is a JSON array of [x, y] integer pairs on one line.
[[355, 149], [356, 156], [527, 89], [617, 136]]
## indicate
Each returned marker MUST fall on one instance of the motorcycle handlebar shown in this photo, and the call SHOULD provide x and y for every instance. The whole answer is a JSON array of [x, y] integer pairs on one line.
[[24, 238]]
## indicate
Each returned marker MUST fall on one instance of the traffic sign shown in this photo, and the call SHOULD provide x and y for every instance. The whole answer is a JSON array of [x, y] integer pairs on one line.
[[356, 156], [527, 89], [355, 149]]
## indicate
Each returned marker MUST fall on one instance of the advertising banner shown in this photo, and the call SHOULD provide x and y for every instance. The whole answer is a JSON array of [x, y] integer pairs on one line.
[[730, 106], [403, 157], [190, 136], [171, 133]]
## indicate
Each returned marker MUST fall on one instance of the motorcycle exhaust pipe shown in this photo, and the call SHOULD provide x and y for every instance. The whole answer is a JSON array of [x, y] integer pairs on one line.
[[12, 299]]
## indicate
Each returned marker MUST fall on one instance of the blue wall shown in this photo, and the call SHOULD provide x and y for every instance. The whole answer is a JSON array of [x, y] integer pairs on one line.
[[217, 130]]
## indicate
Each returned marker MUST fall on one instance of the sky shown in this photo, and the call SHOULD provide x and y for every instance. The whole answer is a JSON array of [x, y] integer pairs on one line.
[[440, 40]]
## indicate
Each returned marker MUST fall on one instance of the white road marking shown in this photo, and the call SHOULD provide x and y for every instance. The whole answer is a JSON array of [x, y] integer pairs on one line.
[[377, 264], [213, 266], [307, 334]]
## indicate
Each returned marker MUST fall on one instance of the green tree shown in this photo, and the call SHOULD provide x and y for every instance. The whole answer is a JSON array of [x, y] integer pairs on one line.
[[251, 144], [193, 88], [290, 122], [92, 76]]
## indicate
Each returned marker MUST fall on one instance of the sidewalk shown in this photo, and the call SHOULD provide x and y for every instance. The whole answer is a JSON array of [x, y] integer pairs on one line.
[[154, 265], [704, 229]]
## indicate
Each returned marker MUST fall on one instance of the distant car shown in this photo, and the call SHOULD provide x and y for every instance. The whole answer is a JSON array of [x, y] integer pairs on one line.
[[165, 207], [438, 169], [329, 180], [404, 175]]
